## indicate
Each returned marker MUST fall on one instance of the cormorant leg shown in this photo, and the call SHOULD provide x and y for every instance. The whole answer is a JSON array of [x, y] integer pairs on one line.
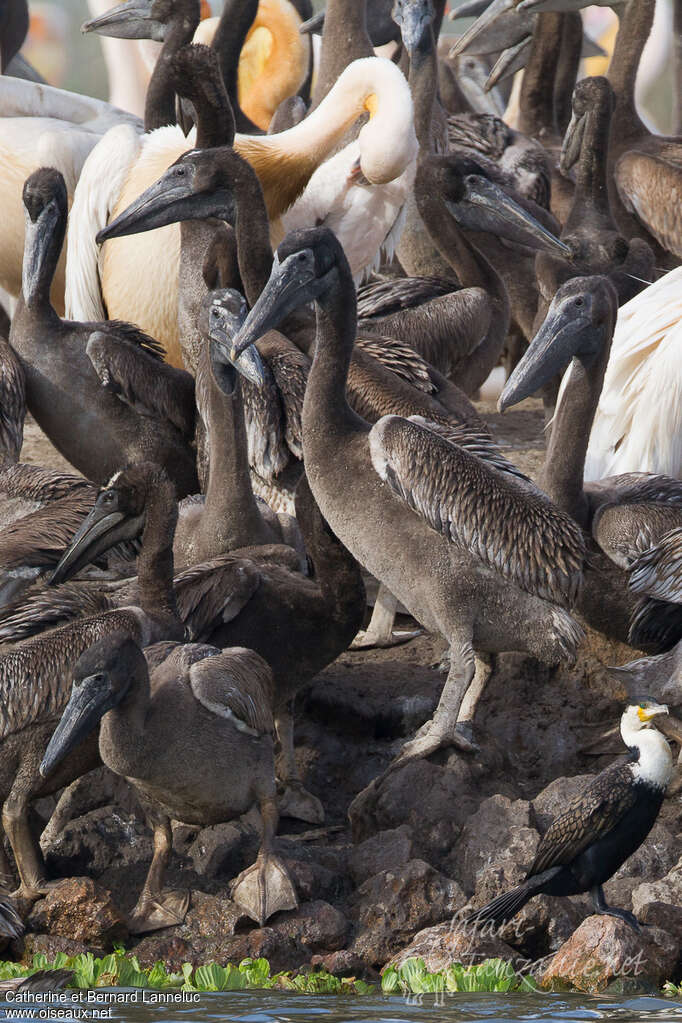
[[380, 632], [467, 710], [154, 908], [601, 906], [294, 799], [265, 887], [441, 730]]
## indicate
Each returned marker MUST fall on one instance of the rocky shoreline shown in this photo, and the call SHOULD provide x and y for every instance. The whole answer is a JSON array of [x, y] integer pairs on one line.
[[433, 837]]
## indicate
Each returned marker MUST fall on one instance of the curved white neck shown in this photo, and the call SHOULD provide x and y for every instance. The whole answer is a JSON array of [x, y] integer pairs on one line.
[[655, 764]]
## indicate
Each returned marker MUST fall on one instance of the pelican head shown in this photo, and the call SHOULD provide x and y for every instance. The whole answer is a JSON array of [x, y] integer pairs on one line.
[[144, 19], [478, 204], [195, 187], [101, 678], [118, 514], [304, 269], [498, 27], [225, 311], [414, 18], [577, 325], [588, 94]]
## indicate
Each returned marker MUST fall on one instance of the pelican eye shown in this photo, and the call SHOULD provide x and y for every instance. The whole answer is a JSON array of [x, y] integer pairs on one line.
[[578, 301]]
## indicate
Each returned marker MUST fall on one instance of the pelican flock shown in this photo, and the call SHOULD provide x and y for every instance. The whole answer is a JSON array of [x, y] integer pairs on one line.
[[269, 552]]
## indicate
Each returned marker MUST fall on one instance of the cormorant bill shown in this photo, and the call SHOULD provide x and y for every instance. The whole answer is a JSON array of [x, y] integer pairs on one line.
[[601, 827]]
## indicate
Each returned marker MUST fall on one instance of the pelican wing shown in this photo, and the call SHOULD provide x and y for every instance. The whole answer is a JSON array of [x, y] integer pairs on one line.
[[34, 483], [651, 188], [592, 813], [12, 403], [381, 298], [506, 522], [638, 424], [400, 358], [99, 187], [134, 373], [658, 571], [214, 592], [236, 684]]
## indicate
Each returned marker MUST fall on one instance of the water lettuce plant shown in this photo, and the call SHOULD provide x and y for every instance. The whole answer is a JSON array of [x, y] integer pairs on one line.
[[120, 969], [412, 977]]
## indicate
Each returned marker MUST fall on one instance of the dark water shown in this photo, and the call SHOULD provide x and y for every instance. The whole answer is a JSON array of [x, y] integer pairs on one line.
[[276, 1007]]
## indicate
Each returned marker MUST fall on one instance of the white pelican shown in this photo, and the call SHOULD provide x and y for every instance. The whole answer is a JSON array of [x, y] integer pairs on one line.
[[41, 126], [638, 425], [139, 275]]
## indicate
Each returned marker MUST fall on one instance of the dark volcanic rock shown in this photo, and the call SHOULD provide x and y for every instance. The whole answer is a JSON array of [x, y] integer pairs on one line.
[[212, 916], [79, 909], [660, 902], [314, 926], [496, 847], [171, 949], [223, 850], [605, 952], [387, 850], [433, 801], [654, 858], [103, 838], [391, 906], [49, 945], [554, 799], [344, 964], [313, 881]]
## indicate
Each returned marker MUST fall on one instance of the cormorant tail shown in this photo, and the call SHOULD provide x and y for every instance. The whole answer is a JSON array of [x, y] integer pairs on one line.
[[505, 906], [11, 924]]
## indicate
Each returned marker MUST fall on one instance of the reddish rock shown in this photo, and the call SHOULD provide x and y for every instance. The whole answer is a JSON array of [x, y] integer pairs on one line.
[[448, 943], [49, 945], [605, 952], [391, 906], [387, 850], [79, 909], [211, 916]]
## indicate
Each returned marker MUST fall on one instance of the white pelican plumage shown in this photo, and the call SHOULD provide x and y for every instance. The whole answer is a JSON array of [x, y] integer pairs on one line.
[[44, 127], [638, 425], [136, 277]]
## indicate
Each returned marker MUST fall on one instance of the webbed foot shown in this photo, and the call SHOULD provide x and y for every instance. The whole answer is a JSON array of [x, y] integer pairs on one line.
[[432, 736], [295, 801], [264, 888], [151, 914], [624, 914], [368, 639]]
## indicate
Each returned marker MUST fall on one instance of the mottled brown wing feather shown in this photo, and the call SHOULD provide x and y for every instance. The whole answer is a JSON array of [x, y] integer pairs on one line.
[[238, 683], [658, 571], [400, 358], [381, 298], [592, 814], [39, 538], [290, 369], [35, 483], [651, 188], [214, 592], [12, 403], [637, 488], [137, 377], [506, 522]]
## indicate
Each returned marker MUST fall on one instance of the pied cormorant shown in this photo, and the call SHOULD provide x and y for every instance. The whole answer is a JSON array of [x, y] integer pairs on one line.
[[601, 827]]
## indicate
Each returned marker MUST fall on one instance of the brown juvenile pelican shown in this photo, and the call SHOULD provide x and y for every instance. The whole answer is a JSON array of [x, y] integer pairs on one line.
[[597, 247], [600, 828], [86, 399], [34, 675], [643, 170], [472, 550], [626, 514], [211, 769], [255, 597]]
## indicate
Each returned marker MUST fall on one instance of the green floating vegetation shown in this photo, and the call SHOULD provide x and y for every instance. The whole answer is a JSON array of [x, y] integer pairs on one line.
[[120, 969], [672, 990], [412, 977]]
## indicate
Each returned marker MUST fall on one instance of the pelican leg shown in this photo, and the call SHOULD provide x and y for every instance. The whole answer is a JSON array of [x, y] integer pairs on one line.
[[380, 631], [27, 855], [265, 887], [467, 710], [155, 908], [293, 798], [442, 730]]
